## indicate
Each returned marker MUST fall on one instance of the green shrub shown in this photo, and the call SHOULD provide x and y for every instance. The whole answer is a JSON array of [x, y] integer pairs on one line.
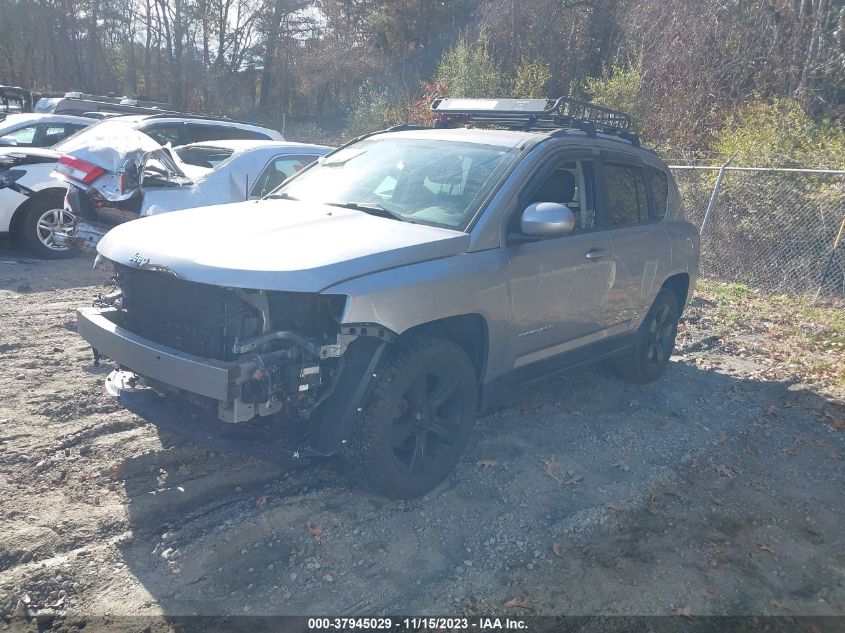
[[530, 79], [619, 88], [376, 109], [469, 70], [779, 132]]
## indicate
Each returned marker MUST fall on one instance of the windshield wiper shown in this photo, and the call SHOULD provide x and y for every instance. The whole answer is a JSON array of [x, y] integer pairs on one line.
[[282, 196], [371, 208]]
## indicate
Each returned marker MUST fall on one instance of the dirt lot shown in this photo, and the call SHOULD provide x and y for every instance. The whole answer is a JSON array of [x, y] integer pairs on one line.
[[718, 490]]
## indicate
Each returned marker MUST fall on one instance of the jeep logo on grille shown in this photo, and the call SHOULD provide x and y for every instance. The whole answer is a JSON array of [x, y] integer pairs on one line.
[[139, 259]]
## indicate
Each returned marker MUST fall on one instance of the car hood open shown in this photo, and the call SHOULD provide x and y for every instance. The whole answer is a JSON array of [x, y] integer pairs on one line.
[[275, 244]]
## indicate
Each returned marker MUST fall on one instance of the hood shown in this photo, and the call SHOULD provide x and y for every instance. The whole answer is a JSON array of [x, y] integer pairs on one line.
[[275, 244], [107, 148]]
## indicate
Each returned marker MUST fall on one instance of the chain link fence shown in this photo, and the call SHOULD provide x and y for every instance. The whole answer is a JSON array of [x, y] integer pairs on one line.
[[769, 228]]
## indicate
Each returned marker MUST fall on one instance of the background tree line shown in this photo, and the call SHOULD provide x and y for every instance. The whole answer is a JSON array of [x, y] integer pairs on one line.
[[697, 75]]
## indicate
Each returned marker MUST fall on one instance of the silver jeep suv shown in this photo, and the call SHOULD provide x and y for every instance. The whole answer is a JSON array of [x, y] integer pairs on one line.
[[379, 299]]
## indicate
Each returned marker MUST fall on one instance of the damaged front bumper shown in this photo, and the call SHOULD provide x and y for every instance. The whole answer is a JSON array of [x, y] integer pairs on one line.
[[227, 382], [203, 376]]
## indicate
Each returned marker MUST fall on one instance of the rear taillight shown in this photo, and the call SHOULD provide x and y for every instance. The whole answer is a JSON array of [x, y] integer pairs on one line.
[[79, 169]]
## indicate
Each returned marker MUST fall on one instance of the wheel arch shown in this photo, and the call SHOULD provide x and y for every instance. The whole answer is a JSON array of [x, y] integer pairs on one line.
[[468, 331], [20, 212], [679, 284]]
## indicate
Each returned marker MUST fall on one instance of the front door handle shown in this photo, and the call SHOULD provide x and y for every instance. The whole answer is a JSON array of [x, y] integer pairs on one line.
[[594, 253]]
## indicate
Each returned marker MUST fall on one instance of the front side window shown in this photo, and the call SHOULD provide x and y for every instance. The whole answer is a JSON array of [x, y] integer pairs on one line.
[[429, 181], [280, 169], [626, 194], [571, 184], [24, 135]]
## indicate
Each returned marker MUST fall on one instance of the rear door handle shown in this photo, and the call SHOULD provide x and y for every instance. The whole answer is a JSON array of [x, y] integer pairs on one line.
[[594, 253]]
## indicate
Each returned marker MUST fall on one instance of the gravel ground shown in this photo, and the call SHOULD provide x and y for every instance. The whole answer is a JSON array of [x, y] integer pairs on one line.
[[715, 491]]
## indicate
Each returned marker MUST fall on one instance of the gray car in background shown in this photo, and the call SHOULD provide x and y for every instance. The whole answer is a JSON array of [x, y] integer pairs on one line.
[[381, 298]]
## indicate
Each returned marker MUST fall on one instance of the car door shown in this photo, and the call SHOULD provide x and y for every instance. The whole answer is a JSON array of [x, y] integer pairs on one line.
[[558, 285], [640, 246]]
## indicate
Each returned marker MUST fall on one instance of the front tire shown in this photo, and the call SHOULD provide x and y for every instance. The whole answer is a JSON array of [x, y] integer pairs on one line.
[[648, 357], [42, 220], [417, 423]]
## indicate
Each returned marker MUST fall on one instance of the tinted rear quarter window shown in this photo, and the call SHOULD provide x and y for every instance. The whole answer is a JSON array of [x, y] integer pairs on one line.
[[204, 133]]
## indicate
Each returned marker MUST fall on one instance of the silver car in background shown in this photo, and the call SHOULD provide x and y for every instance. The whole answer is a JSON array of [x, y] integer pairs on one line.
[[378, 300], [138, 183]]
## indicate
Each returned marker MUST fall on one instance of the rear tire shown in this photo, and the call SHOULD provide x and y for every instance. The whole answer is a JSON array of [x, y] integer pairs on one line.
[[44, 217], [418, 421], [649, 356]]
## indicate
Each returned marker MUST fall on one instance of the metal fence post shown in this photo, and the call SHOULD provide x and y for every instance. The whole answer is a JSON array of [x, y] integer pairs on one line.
[[715, 195]]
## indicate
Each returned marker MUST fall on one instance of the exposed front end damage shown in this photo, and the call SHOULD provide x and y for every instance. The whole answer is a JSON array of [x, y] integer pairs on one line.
[[240, 353]]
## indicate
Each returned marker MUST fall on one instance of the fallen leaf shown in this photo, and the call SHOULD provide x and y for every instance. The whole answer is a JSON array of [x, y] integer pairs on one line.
[[836, 456], [316, 531], [751, 449], [552, 466], [766, 548], [684, 612], [486, 463], [20, 610], [522, 603], [788, 451], [575, 479], [726, 471], [557, 549], [261, 501]]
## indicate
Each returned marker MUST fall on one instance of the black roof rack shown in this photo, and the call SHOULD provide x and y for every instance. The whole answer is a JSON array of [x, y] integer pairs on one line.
[[535, 114]]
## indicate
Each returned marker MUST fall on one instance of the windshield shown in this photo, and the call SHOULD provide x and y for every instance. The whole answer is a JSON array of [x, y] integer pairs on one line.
[[416, 180]]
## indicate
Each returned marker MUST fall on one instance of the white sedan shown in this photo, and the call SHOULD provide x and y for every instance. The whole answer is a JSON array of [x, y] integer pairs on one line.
[[33, 129], [137, 184]]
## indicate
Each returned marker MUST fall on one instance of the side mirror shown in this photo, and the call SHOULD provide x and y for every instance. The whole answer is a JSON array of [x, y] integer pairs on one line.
[[8, 141], [547, 219]]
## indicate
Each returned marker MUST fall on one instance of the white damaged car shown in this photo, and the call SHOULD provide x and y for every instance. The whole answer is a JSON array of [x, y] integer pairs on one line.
[[150, 179]]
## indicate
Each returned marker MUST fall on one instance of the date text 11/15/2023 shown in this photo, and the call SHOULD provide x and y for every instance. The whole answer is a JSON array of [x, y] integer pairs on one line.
[[418, 623]]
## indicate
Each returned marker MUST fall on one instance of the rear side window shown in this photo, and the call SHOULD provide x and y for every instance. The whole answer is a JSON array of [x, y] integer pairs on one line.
[[626, 194], [659, 190], [164, 134], [205, 133]]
